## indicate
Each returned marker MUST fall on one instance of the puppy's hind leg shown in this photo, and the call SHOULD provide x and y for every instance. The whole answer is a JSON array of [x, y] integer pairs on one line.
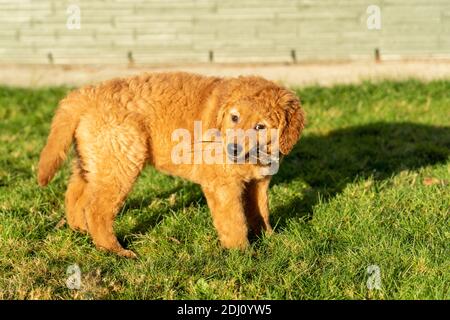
[[105, 202], [75, 200], [113, 160], [107, 190]]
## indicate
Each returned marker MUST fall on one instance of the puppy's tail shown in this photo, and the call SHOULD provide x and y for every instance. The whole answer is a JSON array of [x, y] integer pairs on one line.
[[59, 140]]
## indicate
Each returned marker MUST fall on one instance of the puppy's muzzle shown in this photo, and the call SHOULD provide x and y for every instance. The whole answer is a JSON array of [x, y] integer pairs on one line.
[[234, 150], [236, 154]]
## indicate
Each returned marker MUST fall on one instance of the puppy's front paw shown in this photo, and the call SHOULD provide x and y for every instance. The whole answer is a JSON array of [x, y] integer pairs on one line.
[[268, 231], [127, 254], [235, 243], [119, 251]]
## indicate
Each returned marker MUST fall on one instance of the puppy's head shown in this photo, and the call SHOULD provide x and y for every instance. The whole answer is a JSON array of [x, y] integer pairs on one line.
[[253, 105]]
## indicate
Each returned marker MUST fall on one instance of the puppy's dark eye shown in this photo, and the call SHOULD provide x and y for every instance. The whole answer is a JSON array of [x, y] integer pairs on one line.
[[234, 118], [260, 126]]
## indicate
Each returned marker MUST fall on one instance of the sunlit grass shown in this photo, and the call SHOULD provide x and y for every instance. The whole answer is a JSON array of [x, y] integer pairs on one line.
[[366, 185]]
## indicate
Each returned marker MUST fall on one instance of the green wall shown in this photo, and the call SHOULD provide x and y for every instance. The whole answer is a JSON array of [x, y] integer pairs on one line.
[[34, 31]]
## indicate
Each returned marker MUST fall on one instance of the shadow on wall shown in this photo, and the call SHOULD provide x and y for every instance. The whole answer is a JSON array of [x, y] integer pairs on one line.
[[327, 163], [379, 150]]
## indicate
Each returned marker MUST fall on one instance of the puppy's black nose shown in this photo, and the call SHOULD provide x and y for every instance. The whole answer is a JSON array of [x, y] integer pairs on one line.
[[234, 149]]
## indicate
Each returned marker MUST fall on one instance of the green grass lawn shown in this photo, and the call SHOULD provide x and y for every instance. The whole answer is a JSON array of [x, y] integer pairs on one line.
[[368, 184]]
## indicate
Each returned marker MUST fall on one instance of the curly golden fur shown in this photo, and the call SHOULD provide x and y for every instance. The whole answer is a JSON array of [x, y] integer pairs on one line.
[[121, 125]]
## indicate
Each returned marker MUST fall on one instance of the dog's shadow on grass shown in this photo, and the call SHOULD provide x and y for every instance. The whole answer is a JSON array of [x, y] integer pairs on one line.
[[184, 196], [327, 163]]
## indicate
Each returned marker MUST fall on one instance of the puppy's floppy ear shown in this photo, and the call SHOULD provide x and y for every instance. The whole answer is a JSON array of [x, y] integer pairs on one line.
[[294, 123]]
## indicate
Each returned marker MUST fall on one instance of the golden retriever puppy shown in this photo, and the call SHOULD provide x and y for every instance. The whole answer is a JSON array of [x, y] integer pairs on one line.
[[121, 125]]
